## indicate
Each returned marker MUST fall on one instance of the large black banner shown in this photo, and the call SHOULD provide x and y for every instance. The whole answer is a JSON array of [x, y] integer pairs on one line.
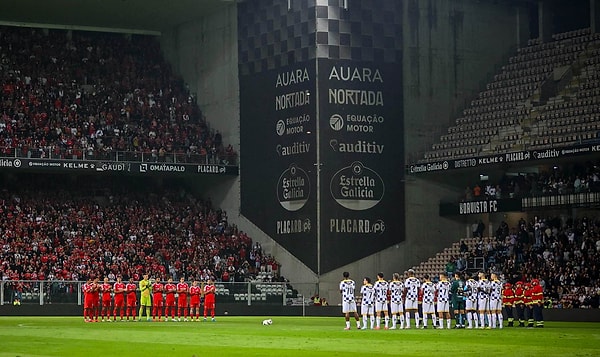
[[362, 159], [278, 177]]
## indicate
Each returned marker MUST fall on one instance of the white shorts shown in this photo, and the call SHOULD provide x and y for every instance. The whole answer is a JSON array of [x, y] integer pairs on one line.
[[396, 307], [470, 305], [495, 305], [367, 309], [428, 308], [348, 307], [483, 304], [410, 304], [443, 307], [381, 306]]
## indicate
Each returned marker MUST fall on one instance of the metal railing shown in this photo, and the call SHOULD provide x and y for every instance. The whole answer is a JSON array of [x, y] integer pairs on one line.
[[119, 156]]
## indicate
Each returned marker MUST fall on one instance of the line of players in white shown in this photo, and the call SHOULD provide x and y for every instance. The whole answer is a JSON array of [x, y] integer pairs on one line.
[[397, 300]]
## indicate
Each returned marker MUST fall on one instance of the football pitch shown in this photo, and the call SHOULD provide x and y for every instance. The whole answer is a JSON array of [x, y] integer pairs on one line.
[[287, 336]]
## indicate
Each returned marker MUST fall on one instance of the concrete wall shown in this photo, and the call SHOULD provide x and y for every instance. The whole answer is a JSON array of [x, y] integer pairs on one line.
[[204, 53], [451, 49]]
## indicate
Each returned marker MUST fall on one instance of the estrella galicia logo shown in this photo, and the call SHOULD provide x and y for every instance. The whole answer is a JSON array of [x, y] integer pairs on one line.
[[357, 187], [293, 188]]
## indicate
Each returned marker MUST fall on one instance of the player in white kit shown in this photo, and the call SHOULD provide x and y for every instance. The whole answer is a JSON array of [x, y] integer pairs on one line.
[[496, 301], [443, 300], [428, 290], [483, 301], [347, 287], [411, 294], [396, 305], [381, 304], [471, 302], [367, 303]]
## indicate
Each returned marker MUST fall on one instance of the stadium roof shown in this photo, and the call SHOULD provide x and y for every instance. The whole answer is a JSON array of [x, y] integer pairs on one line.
[[135, 16]]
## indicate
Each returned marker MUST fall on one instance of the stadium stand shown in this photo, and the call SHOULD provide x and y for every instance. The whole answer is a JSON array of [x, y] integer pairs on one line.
[[563, 253], [87, 95], [61, 235], [99, 96], [546, 95]]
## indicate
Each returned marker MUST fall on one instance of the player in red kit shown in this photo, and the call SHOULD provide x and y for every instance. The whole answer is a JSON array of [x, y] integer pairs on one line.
[[119, 290], [209, 291], [182, 291], [96, 299], [130, 289], [157, 300], [195, 292], [87, 301], [170, 290], [106, 289]]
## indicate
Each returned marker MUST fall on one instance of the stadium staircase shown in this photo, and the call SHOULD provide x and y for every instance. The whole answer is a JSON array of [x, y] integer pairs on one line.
[[437, 264]]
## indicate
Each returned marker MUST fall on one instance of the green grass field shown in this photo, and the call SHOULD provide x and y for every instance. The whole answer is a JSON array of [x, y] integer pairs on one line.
[[288, 336]]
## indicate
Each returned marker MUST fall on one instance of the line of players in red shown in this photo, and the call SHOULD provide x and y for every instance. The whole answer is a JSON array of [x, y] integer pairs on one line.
[[168, 299]]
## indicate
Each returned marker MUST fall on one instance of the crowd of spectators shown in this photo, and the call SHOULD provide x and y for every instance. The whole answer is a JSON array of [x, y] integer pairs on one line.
[[88, 95], [563, 253], [67, 234], [581, 178]]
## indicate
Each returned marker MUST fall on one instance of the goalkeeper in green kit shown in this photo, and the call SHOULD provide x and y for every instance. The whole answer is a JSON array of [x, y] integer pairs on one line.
[[145, 299]]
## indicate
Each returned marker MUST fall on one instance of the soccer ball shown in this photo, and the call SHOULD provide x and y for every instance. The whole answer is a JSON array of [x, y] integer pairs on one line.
[[16, 303], [267, 322]]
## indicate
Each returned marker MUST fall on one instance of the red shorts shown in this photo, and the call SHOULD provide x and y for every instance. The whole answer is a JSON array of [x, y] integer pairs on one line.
[[119, 301], [87, 302], [170, 300], [131, 302], [157, 300], [209, 304], [182, 301], [96, 301], [106, 302]]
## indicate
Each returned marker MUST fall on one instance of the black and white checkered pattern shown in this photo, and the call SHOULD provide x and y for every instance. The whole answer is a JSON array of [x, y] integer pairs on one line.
[[483, 289], [270, 36], [396, 290], [347, 288], [443, 291], [472, 290], [381, 289], [428, 292], [365, 31], [412, 285], [495, 289], [368, 294]]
